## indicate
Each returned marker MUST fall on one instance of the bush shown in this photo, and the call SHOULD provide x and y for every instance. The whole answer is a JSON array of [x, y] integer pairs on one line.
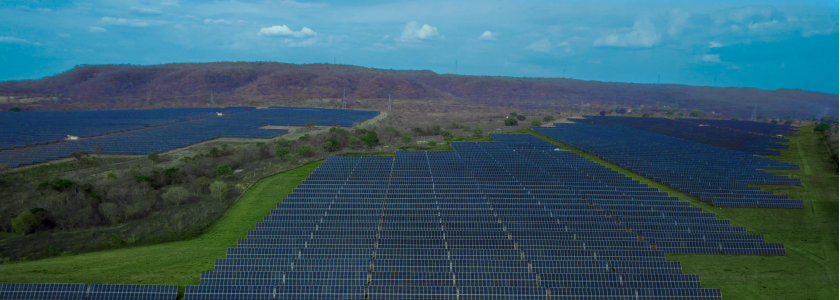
[[111, 211], [447, 133], [331, 145], [511, 122], [520, 117], [391, 132], [284, 143], [371, 139], [61, 185], [822, 127], [24, 223], [477, 131], [219, 188], [79, 155], [310, 124], [548, 118], [223, 170], [305, 151], [696, 113], [14, 109], [282, 151], [354, 142], [405, 139], [175, 195], [536, 123], [645, 115], [153, 157], [622, 110], [304, 137], [432, 143]]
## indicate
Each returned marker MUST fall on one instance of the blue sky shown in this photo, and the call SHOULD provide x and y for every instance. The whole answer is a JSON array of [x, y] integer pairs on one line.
[[763, 44]]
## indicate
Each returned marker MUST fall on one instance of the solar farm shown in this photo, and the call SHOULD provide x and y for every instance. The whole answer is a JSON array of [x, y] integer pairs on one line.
[[518, 218], [33, 137]]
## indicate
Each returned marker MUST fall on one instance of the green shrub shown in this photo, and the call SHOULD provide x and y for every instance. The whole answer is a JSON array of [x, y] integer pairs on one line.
[[111, 211], [354, 142], [282, 151], [284, 143], [432, 143], [310, 124], [176, 195], [14, 109], [536, 123], [305, 151], [155, 157], [219, 188], [331, 145], [548, 118], [405, 139], [223, 170], [371, 138], [24, 223], [477, 131], [520, 117], [696, 113], [511, 122], [304, 137]]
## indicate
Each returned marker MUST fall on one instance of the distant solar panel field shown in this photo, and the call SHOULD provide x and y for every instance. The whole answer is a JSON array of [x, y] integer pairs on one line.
[[39, 136], [700, 131]]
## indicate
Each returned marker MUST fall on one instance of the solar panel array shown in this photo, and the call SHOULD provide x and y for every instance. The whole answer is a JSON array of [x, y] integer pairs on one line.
[[709, 135], [747, 126], [242, 123], [72, 291], [716, 175], [24, 129], [516, 219]]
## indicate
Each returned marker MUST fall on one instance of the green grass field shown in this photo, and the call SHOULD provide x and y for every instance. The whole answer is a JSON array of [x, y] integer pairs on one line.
[[808, 271], [179, 263], [809, 268]]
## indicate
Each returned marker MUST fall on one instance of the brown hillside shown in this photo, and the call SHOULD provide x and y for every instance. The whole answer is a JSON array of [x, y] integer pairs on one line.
[[268, 83]]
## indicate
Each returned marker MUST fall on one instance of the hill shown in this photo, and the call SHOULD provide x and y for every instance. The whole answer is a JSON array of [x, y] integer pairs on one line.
[[271, 83]]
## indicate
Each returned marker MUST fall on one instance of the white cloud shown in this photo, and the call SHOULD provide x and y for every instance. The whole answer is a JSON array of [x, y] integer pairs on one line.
[[96, 29], [487, 35], [223, 21], [714, 44], [744, 14], [45, 10], [642, 35], [123, 22], [413, 32], [783, 65], [762, 25], [711, 57], [735, 27], [285, 31], [542, 45], [306, 43], [64, 35], [677, 20], [14, 40], [170, 3], [145, 11]]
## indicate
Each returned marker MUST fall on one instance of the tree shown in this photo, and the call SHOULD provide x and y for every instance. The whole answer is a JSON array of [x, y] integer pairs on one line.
[[510, 122], [370, 138], [176, 195], [14, 109], [24, 223], [536, 123], [696, 113], [284, 143], [774, 121], [405, 139], [219, 188], [822, 127], [331, 145], [304, 137], [477, 131], [154, 157], [645, 115], [310, 124], [282, 151], [305, 151], [223, 170]]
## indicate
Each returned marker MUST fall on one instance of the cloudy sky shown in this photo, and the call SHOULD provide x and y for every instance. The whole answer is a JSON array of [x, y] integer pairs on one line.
[[763, 44]]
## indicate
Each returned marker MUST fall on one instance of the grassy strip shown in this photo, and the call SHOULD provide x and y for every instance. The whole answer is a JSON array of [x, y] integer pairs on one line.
[[469, 139], [810, 267], [179, 263], [435, 148]]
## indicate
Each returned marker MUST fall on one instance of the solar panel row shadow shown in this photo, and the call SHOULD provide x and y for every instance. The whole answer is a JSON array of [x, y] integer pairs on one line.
[[64, 291]]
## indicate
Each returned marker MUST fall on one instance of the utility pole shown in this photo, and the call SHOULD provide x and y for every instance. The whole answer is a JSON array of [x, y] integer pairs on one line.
[[389, 101]]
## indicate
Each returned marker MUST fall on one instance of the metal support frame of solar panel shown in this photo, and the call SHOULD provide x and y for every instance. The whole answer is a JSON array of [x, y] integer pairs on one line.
[[696, 132], [68, 291], [717, 175], [403, 258], [203, 125]]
